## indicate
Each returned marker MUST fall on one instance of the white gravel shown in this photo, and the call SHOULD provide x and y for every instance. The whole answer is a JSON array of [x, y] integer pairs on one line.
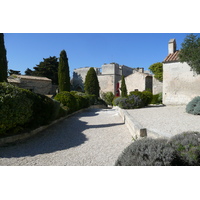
[[167, 121], [92, 138]]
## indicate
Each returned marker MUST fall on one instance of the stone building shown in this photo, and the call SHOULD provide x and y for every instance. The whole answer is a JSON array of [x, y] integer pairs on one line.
[[109, 76], [40, 85], [180, 83]]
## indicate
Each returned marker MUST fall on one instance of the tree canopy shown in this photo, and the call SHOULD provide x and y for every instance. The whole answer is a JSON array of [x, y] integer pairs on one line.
[[3, 60], [47, 68], [157, 70], [91, 85], [63, 72], [190, 52]]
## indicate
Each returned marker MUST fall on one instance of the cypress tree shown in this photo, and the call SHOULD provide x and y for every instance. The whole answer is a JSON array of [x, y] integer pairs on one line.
[[123, 88], [63, 72], [3, 60], [91, 83]]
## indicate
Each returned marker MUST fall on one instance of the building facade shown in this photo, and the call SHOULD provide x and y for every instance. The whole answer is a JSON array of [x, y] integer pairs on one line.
[[180, 83]]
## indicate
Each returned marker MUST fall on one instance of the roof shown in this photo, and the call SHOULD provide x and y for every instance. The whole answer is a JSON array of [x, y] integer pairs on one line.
[[15, 76], [172, 57]]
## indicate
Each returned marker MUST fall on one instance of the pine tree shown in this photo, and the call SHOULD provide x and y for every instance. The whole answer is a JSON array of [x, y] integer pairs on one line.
[[63, 72], [123, 88], [3, 60], [91, 83]]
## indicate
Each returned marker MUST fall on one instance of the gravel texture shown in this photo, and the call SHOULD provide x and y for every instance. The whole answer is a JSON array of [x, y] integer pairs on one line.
[[167, 121], [95, 137]]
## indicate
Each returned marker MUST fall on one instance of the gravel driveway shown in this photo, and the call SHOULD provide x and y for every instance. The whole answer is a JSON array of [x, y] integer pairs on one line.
[[94, 137], [167, 120]]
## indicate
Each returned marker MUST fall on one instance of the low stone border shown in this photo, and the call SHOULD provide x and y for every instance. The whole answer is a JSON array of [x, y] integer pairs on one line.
[[23, 136], [135, 128]]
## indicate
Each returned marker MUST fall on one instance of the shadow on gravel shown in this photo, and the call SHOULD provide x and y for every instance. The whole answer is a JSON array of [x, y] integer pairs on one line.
[[61, 136]]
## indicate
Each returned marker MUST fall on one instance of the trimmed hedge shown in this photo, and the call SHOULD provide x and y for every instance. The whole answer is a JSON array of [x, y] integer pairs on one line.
[[181, 150], [15, 107], [67, 100], [22, 109]]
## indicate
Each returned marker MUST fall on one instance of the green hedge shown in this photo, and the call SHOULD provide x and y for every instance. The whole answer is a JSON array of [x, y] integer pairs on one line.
[[22, 109], [15, 107]]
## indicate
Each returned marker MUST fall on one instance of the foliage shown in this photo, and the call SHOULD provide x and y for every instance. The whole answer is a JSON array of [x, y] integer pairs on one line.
[[193, 107], [123, 88], [81, 100], [48, 68], [148, 152], [108, 97], [157, 70], [180, 150], [91, 86], [100, 101], [190, 52], [148, 98], [42, 108], [116, 101], [145, 97], [157, 98], [15, 107], [11, 72], [67, 100], [187, 146], [63, 72], [130, 102], [3, 60]]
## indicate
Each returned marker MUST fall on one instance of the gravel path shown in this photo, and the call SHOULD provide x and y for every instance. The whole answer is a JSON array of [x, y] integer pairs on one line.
[[95, 137], [167, 121]]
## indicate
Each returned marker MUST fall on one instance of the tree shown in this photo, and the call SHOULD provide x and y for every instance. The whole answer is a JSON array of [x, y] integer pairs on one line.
[[123, 88], [3, 60], [190, 52], [63, 72], [91, 85], [10, 72], [47, 68], [157, 70]]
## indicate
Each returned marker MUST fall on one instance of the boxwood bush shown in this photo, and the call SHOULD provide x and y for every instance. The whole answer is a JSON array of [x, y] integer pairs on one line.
[[67, 100], [193, 107], [15, 107]]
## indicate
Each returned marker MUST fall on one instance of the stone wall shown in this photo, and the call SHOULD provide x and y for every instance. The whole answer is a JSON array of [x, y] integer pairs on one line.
[[138, 81], [157, 86], [180, 84]]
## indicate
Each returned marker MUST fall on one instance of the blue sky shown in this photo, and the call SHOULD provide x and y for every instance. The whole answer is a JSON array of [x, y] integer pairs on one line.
[[26, 50]]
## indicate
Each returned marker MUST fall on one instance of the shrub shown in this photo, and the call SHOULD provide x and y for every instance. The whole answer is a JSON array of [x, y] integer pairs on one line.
[[108, 97], [116, 101], [142, 96], [130, 102], [193, 107], [148, 96], [100, 101], [157, 99], [187, 146], [15, 107], [148, 152], [58, 111], [67, 100]]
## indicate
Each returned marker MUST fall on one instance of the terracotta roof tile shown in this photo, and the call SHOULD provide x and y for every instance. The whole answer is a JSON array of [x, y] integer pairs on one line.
[[172, 57]]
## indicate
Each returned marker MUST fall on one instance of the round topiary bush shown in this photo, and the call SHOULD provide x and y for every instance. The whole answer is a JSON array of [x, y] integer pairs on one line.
[[148, 96], [193, 107], [187, 146], [67, 100], [15, 107], [148, 152]]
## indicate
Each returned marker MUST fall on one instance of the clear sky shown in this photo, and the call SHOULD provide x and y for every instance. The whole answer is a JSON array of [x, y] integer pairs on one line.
[[26, 50]]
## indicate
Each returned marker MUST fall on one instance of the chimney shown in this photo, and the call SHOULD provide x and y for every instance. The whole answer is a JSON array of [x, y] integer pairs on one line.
[[171, 46]]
